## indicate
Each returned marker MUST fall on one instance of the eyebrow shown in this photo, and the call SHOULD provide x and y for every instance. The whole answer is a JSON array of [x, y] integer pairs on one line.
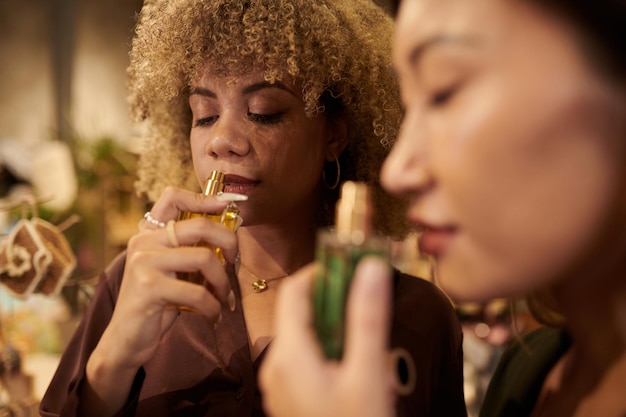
[[418, 52], [266, 84], [247, 90]]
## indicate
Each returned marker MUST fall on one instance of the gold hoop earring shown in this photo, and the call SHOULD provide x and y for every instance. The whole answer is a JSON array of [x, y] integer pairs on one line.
[[336, 183]]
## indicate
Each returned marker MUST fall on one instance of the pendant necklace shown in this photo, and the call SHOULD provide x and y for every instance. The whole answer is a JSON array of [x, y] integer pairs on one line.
[[260, 284]]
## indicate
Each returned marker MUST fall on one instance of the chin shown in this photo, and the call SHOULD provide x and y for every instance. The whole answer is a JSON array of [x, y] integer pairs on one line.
[[471, 282]]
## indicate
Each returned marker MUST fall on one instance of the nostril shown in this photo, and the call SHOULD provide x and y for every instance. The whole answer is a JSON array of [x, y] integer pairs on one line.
[[221, 146]]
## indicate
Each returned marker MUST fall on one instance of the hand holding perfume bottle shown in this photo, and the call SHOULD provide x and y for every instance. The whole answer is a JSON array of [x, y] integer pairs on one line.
[[229, 217]]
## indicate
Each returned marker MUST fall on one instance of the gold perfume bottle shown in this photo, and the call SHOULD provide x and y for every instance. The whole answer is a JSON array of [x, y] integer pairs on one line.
[[228, 217], [338, 253]]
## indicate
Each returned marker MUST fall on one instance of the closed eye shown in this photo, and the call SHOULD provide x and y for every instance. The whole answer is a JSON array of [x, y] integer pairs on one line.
[[268, 119], [443, 96], [205, 121]]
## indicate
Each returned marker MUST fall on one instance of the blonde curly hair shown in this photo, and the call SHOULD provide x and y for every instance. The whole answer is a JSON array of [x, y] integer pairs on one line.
[[338, 50]]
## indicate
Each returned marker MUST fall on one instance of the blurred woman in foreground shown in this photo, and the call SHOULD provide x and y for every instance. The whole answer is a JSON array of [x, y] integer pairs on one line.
[[512, 153]]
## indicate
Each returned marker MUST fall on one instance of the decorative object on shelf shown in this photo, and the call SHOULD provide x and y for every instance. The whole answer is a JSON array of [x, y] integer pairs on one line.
[[35, 257], [16, 388], [10, 361]]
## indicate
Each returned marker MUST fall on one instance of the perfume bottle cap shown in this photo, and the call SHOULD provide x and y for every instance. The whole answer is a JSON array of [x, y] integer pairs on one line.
[[353, 220], [215, 183]]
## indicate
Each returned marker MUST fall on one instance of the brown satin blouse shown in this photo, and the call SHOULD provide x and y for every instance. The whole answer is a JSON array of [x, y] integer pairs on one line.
[[202, 371]]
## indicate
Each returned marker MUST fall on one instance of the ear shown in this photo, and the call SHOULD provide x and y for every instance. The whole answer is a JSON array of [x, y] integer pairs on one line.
[[337, 136]]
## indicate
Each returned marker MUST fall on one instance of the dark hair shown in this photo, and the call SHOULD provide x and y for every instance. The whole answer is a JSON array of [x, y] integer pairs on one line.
[[601, 25]]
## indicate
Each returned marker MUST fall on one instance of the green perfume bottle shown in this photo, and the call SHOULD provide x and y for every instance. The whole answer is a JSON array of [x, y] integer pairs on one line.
[[338, 252]]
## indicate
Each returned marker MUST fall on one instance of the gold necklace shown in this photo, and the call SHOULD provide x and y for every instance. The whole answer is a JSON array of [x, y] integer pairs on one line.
[[260, 284]]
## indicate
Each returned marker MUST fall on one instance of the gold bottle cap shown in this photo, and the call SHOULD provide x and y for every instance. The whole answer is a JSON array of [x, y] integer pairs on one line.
[[215, 183], [353, 219]]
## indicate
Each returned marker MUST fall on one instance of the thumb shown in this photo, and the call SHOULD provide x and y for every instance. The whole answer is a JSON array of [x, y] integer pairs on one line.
[[367, 321]]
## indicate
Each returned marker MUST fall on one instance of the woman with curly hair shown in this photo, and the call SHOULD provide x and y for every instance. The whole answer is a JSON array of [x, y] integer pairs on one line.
[[288, 98]]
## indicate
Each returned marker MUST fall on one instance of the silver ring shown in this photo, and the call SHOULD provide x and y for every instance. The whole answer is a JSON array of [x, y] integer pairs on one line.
[[152, 220]]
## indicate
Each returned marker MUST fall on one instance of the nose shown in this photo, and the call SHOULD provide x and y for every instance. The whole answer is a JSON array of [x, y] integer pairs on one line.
[[406, 170], [228, 137]]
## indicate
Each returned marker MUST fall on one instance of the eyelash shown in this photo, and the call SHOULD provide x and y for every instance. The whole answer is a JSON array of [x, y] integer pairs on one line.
[[443, 96], [207, 121], [267, 119]]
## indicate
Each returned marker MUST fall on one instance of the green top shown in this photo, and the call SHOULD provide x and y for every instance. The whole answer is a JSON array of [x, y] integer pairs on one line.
[[516, 384]]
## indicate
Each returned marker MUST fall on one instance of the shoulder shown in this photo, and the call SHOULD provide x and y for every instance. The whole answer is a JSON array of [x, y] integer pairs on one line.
[[541, 344], [410, 286], [521, 371], [421, 310], [419, 296]]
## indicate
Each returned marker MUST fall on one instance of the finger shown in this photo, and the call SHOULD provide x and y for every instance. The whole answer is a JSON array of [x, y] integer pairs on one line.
[[368, 313], [201, 229], [192, 259], [182, 293], [205, 236], [147, 283], [188, 232], [173, 200]]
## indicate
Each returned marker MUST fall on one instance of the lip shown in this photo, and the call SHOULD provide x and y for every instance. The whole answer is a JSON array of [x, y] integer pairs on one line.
[[435, 239], [238, 184]]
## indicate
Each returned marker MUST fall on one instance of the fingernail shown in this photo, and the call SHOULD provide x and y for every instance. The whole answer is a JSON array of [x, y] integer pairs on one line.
[[222, 196], [371, 270], [231, 301], [217, 321], [376, 265]]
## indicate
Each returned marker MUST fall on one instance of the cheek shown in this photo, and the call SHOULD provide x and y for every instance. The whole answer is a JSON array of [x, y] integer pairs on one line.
[[308, 144], [293, 162], [294, 155], [529, 190]]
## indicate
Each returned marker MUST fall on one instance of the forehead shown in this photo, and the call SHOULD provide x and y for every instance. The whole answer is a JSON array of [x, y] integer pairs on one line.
[[242, 79], [419, 20], [420, 17]]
